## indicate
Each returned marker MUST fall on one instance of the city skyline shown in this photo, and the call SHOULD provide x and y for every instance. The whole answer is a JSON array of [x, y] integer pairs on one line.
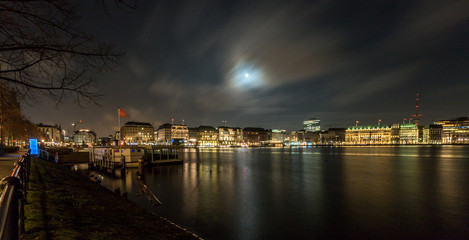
[[275, 64], [306, 126]]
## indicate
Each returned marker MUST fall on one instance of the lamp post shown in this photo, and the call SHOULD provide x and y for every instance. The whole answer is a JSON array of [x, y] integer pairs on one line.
[[75, 124]]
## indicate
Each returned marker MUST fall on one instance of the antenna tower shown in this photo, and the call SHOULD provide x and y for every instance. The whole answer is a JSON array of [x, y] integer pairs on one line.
[[417, 114]]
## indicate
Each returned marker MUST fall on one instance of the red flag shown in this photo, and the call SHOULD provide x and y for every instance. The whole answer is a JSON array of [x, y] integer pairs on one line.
[[122, 113]]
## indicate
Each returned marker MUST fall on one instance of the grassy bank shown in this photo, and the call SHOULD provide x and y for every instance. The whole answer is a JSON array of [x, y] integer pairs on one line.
[[65, 205]]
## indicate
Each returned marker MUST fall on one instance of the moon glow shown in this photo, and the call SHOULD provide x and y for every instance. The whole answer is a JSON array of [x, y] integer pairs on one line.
[[246, 76]]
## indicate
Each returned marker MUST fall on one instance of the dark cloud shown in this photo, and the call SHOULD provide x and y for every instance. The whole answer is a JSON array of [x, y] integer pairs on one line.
[[339, 61]]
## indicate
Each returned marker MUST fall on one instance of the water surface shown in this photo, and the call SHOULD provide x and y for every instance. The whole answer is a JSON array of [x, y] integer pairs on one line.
[[304, 193]]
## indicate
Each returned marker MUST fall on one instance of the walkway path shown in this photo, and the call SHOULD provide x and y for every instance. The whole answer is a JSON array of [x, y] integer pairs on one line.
[[7, 163]]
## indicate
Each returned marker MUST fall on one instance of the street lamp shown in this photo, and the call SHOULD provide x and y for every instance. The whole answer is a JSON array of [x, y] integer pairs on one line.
[[75, 124]]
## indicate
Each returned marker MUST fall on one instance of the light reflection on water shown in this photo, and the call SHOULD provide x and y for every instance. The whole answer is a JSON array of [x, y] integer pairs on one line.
[[304, 193]]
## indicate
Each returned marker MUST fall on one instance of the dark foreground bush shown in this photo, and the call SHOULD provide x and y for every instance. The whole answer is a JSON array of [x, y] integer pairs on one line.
[[11, 149]]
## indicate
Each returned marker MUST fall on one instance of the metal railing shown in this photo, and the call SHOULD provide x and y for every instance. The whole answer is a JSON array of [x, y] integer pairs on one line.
[[45, 155], [13, 198]]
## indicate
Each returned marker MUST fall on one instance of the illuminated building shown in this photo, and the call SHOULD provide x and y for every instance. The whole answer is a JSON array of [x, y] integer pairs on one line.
[[455, 131], [380, 134], [164, 134], [137, 132], [255, 136], [312, 125], [333, 136], [230, 136], [52, 134], [208, 136], [395, 128], [179, 134], [297, 137], [432, 134], [278, 137], [172, 134], [193, 136], [303, 137], [106, 141], [84, 137], [312, 137], [408, 133]]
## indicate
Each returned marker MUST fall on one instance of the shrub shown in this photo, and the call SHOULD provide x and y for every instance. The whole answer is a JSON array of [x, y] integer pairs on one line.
[[11, 149]]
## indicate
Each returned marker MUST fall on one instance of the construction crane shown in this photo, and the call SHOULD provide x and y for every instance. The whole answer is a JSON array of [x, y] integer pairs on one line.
[[417, 114], [75, 124]]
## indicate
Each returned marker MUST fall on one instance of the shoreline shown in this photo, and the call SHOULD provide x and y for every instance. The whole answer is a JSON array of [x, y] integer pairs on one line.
[[63, 204]]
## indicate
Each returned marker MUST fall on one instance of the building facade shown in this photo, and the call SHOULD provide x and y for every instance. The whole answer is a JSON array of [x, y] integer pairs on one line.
[[84, 137], [137, 133], [230, 136], [163, 134], [312, 125], [51, 134], [106, 141], [297, 137], [372, 135], [455, 131], [303, 137], [311, 138], [172, 134], [432, 134], [333, 136], [408, 133], [179, 134], [255, 137], [208, 136], [278, 137], [395, 128], [193, 136]]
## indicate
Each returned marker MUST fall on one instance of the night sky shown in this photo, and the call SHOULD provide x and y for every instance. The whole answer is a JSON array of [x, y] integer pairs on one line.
[[273, 64]]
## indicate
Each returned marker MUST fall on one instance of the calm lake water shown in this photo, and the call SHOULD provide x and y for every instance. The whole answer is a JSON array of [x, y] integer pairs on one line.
[[304, 193]]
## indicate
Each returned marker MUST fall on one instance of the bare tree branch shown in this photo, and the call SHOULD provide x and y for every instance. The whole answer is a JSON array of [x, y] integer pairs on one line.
[[42, 52]]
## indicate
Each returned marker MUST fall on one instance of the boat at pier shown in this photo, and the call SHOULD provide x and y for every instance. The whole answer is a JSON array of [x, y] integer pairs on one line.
[[135, 156]]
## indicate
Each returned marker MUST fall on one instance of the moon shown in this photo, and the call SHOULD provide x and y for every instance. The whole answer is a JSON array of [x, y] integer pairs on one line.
[[246, 76]]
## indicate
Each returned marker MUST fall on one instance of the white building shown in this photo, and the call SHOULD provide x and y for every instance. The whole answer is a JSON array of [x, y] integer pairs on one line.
[[84, 137], [137, 132], [312, 125], [51, 134], [172, 134]]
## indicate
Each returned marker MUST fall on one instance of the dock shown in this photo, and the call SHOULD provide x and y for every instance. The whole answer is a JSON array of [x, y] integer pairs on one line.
[[113, 157]]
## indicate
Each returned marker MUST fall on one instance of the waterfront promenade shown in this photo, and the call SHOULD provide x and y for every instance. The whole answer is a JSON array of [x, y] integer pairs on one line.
[[62, 204]]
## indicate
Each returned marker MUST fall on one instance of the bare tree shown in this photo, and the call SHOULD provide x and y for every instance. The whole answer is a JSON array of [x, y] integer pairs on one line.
[[43, 53], [13, 125]]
